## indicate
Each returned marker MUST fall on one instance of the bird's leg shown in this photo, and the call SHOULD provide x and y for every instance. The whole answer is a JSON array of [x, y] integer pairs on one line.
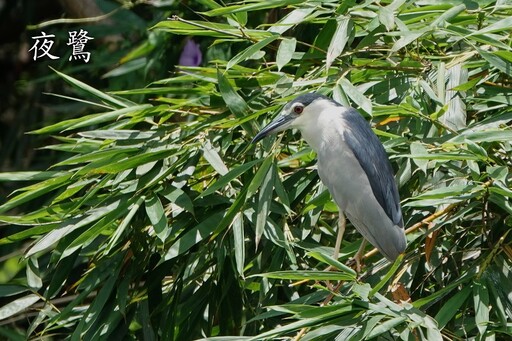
[[359, 255], [341, 230]]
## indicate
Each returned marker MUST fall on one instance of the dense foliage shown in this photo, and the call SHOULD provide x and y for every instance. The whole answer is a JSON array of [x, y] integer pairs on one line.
[[160, 220]]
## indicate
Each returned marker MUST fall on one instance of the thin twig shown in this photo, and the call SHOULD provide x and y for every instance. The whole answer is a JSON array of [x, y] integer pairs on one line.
[[76, 20], [300, 334]]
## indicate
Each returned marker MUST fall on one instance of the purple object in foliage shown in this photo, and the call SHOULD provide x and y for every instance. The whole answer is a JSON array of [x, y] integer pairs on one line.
[[191, 54]]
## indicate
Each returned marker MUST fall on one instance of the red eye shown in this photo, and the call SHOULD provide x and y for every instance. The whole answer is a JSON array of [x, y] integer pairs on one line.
[[298, 109]]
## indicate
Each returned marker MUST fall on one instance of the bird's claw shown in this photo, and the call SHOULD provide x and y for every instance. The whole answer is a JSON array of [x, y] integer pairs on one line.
[[356, 263]]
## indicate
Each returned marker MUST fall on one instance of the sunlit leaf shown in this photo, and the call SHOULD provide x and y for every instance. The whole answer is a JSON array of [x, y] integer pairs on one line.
[[285, 52]]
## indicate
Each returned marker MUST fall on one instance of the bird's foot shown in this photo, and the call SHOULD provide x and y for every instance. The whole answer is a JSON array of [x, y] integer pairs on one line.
[[356, 263]]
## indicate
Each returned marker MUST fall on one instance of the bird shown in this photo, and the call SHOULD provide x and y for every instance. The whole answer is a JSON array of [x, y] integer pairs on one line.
[[352, 163]]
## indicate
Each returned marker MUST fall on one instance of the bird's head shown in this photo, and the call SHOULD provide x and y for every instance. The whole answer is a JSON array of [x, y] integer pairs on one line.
[[296, 113]]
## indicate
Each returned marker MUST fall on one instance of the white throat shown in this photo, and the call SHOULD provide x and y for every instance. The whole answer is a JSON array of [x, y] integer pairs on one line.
[[319, 124]]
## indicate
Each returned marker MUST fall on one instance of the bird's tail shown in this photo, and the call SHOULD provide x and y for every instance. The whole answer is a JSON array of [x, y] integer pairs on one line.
[[389, 239]]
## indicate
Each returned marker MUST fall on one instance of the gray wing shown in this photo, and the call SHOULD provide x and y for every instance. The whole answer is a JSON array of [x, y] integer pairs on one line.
[[372, 157]]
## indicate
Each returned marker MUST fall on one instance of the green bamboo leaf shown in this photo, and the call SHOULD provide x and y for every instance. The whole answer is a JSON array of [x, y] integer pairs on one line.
[[387, 18], [7, 290], [113, 102], [231, 213], [119, 134], [124, 224], [233, 100], [29, 176], [386, 326], [280, 189], [94, 311], [239, 242], [209, 3], [295, 17], [264, 200], [129, 63], [18, 305], [506, 55], [333, 262], [307, 275], [104, 154], [285, 52], [356, 95], [468, 85], [163, 90], [464, 280], [309, 322], [229, 176], [408, 37], [178, 197], [109, 221], [388, 275], [450, 191], [251, 6], [63, 271], [250, 51], [339, 39], [27, 233], [499, 26], [121, 163], [214, 159], [497, 62], [259, 176], [486, 39], [156, 214], [33, 275], [498, 173], [89, 120], [35, 191], [418, 148], [74, 145], [73, 189], [448, 15], [501, 201], [208, 29], [194, 236], [451, 307], [481, 304], [69, 226], [461, 156], [477, 149], [488, 135]]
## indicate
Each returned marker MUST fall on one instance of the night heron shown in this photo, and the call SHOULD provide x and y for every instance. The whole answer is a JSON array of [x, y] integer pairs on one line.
[[354, 166]]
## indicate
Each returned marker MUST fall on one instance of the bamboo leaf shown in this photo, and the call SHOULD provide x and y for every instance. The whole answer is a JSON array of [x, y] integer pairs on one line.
[[194, 236], [89, 90], [233, 100], [18, 305], [229, 176], [254, 6], [250, 51], [307, 275], [339, 39], [450, 308], [156, 214], [285, 52], [263, 207]]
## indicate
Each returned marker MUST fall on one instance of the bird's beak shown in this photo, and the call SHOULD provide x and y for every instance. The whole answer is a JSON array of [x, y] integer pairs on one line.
[[280, 123]]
